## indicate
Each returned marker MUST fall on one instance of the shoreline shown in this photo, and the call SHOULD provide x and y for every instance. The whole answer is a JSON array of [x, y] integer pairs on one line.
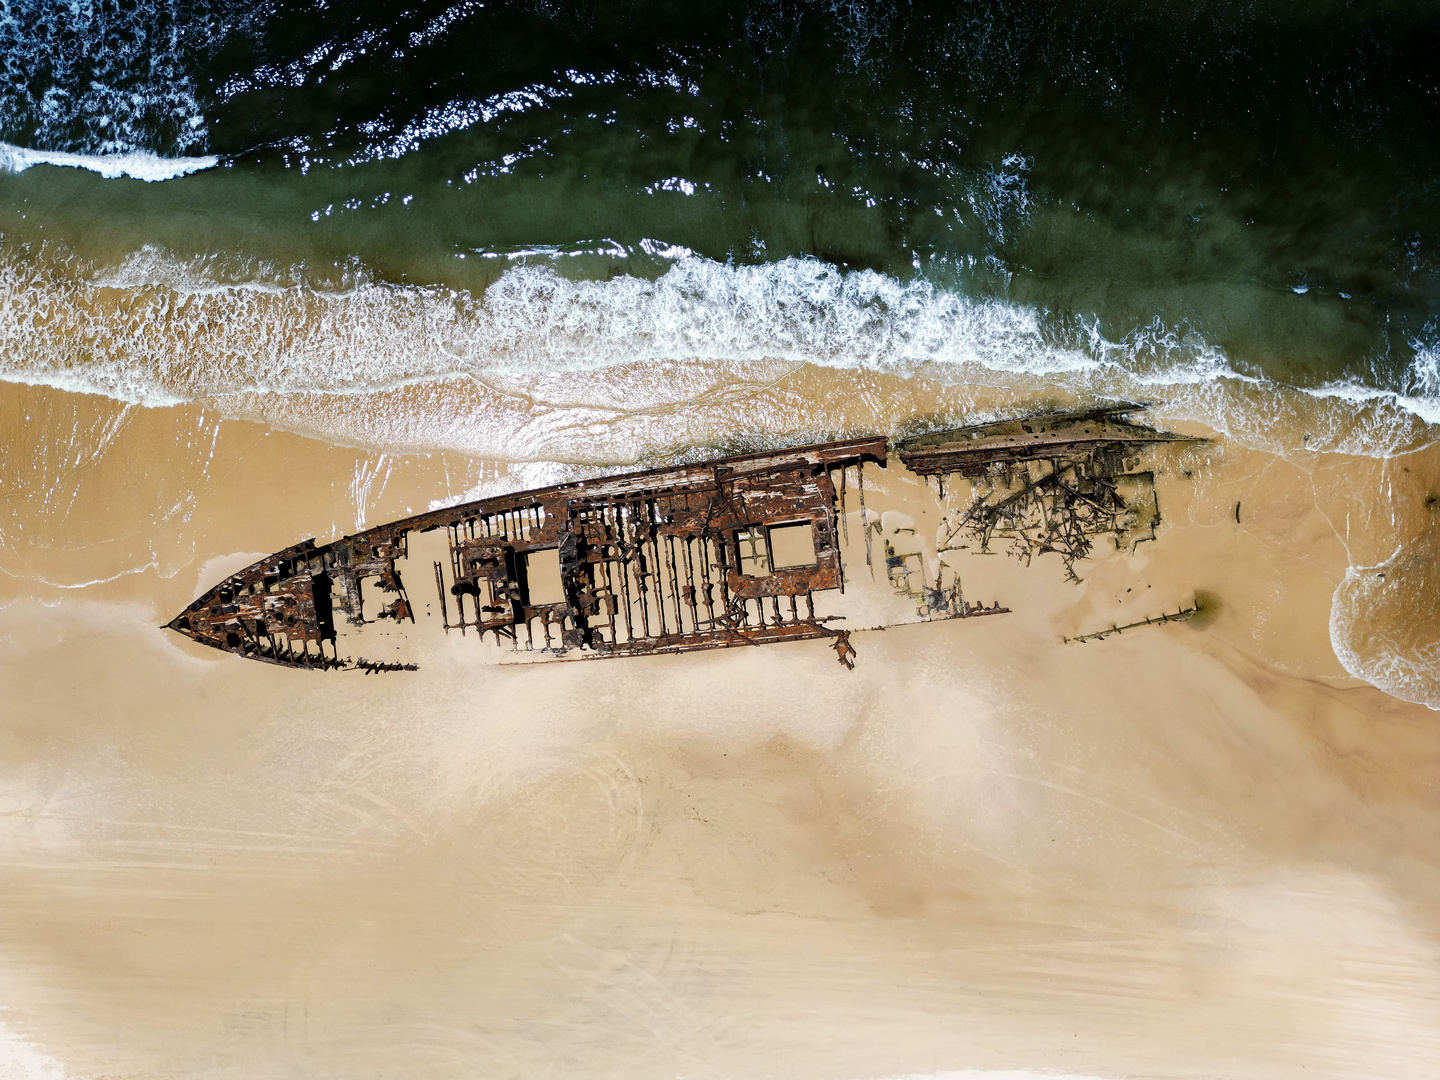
[[981, 849]]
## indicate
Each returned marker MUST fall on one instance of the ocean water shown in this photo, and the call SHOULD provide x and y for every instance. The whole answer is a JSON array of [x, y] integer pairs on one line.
[[1183, 190]]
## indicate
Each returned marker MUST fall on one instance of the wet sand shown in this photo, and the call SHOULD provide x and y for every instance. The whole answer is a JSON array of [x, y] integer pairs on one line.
[[1196, 850]]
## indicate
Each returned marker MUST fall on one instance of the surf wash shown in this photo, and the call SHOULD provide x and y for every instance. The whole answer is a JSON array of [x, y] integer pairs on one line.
[[738, 551]]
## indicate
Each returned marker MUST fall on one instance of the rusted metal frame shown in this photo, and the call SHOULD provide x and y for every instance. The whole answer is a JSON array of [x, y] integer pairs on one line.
[[721, 637], [832, 540], [654, 579], [982, 505], [611, 602], [609, 553], [691, 583], [707, 557], [688, 540], [664, 508], [669, 588], [713, 500], [373, 554], [677, 593], [1080, 496], [594, 567], [455, 531], [633, 562], [864, 519], [674, 479], [689, 588], [622, 570], [1181, 615], [665, 542], [759, 599], [625, 571], [601, 586], [1062, 508], [727, 602], [658, 584], [1016, 440], [639, 569]]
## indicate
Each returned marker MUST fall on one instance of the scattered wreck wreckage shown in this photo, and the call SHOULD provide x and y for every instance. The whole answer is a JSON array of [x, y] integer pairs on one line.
[[730, 552], [1179, 615], [1047, 483]]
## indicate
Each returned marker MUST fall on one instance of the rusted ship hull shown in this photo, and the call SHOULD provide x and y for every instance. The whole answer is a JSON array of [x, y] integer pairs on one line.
[[731, 552], [1069, 435], [1047, 483]]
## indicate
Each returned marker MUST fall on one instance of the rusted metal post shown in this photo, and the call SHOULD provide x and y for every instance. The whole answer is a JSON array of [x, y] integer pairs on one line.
[[864, 520], [440, 590]]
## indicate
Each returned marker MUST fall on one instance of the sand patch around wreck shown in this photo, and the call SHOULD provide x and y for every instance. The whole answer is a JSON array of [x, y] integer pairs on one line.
[[1198, 849]]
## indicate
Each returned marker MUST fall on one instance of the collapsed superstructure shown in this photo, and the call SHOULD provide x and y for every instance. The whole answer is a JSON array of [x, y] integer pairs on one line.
[[1052, 483], [728, 552], [701, 556]]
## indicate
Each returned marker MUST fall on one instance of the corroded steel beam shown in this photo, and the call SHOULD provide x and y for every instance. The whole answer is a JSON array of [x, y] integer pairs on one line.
[[662, 560]]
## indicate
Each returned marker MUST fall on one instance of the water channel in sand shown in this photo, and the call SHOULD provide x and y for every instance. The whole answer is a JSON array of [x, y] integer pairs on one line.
[[1201, 849]]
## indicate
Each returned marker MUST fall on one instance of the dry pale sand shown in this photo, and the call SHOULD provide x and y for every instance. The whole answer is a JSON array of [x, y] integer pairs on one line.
[[1199, 850]]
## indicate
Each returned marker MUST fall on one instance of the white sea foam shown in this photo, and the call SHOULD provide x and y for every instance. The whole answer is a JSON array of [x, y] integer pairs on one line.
[[444, 119], [262, 343], [1421, 382], [174, 332], [1385, 625], [109, 79], [1425, 406], [161, 330], [221, 274], [137, 164], [1422, 378]]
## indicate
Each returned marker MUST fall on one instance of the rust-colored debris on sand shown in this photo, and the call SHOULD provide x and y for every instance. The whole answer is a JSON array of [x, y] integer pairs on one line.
[[731, 552]]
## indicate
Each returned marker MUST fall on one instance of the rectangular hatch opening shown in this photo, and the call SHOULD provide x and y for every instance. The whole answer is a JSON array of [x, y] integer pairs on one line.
[[792, 546], [542, 577]]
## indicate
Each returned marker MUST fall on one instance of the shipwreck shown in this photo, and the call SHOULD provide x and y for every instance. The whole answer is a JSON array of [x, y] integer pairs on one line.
[[738, 551]]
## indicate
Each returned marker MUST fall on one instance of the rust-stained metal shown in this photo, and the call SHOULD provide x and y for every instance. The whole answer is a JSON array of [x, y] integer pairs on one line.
[[970, 451], [724, 553], [729, 552], [273, 610], [1048, 482]]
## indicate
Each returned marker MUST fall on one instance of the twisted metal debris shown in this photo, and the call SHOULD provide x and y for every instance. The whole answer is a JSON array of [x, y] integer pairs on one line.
[[732, 552]]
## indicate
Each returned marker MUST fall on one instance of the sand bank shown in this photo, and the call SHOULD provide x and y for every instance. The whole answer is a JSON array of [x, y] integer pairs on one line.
[[1197, 850]]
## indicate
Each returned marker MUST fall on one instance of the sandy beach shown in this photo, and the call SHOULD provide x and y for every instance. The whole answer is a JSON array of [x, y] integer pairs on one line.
[[1204, 849], [292, 270]]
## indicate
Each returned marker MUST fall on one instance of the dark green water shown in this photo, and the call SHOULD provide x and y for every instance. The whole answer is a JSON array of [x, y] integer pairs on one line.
[[1199, 187]]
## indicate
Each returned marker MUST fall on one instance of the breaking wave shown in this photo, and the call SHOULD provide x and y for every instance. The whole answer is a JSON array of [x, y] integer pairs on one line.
[[159, 331], [155, 332], [1385, 624], [344, 363], [136, 164]]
